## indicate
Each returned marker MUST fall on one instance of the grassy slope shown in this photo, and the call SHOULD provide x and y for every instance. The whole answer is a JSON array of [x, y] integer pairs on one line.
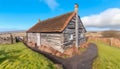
[[17, 56], [108, 58]]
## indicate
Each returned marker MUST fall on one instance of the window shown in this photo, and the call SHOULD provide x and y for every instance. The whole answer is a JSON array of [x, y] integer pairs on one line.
[[82, 35], [71, 37]]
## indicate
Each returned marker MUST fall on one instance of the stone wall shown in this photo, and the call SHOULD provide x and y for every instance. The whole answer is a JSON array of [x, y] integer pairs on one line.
[[69, 33], [7, 39], [32, 37], [52, 39]]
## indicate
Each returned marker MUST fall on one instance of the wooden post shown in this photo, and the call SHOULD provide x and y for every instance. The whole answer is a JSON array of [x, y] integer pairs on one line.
[[11, 36], [76, 26], [26, 38]]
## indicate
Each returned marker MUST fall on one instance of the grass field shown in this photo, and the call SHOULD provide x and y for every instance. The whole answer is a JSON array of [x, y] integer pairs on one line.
[[108, 58], [17, 56]]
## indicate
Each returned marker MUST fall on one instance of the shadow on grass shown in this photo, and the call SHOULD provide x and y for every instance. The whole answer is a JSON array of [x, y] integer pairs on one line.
[[9, 55]]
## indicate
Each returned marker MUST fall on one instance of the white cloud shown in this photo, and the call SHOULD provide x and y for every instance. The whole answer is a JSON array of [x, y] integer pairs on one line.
[[109, 18], [52, 4]]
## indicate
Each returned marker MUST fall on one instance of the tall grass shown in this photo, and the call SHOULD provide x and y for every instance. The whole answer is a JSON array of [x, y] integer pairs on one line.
[[108, 57], [17, 56]]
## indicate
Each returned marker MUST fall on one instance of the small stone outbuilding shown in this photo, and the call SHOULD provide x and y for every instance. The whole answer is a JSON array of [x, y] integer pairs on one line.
[[57, 32]]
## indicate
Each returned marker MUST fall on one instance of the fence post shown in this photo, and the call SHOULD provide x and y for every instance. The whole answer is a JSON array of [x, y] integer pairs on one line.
[[110, 41]]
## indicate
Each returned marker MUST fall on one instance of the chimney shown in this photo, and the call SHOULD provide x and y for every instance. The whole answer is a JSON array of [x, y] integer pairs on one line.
[[76, 26], [76, 8], [38, 20]]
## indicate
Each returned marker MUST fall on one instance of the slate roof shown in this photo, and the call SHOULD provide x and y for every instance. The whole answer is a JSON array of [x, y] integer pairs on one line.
[[56, 24]]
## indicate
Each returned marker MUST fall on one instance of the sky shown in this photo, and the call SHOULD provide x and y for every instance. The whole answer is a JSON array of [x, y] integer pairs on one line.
[[96, 15]]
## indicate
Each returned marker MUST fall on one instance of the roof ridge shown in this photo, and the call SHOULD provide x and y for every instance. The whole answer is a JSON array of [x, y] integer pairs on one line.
[[57, 16]]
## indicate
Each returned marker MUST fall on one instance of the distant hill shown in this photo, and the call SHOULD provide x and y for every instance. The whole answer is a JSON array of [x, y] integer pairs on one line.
[[100, 33], [103, 31], [16, 31]]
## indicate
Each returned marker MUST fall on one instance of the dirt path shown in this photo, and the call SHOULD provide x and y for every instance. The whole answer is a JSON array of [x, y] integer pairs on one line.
[[83, 61]]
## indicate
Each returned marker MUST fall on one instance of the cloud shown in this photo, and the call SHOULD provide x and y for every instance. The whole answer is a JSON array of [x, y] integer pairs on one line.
[[109, 18], [52, 4]]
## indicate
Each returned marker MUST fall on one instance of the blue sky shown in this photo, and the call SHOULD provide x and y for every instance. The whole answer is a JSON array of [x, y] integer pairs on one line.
[[23, 14]]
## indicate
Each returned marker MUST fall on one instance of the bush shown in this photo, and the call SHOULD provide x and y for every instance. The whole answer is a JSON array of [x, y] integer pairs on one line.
[[109, 34]]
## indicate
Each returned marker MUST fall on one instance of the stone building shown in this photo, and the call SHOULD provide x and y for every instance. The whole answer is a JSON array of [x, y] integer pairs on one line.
[[58, 32]]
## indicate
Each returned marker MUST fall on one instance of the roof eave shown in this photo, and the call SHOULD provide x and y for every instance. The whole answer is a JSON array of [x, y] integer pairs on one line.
[[67, 22]]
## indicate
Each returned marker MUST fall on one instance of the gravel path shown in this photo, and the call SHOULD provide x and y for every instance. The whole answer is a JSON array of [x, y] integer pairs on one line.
[[83, 61]]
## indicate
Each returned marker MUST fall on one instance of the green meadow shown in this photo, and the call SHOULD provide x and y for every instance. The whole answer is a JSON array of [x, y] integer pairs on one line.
[[108, 57], [18, 56]]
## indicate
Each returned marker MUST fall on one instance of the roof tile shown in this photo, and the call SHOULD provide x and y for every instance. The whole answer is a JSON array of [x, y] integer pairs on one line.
[[56, 24]]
